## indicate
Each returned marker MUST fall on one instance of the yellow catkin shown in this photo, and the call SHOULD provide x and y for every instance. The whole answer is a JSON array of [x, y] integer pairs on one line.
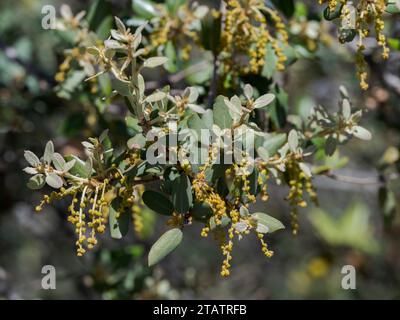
[[246, 33], [298, 183], [368, 17]]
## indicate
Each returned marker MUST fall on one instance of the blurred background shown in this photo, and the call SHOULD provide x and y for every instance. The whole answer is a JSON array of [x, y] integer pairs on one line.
[[357, 221]]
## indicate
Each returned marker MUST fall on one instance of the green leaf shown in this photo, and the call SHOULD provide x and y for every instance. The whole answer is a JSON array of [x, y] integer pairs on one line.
[[222, 117], [182, 197], [347, 35], [170, 53], [36, 182], [330, 146], [208, 118], [54, 181], [164, 245], [196, 108], [263, 153], [73, 81], [264, 100], [144, 9], [154, 62], [133, 123], [122, 87], [201, 211], [31, 158], [69, 165], [331, 15], [118, 226], [266, 220], [137, 142], [234, 109], [197, 124], [274, 142], [270, 59], [393, 7], [156, 96], [79, 169], [158, 202]]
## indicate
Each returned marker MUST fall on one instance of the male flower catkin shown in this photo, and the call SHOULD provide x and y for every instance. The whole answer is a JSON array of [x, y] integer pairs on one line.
[[246, 34], [359, 18]]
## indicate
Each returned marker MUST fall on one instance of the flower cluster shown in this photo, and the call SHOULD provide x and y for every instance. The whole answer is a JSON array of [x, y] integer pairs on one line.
[[181, 27], [247, 32], [113, 185], [359, 18], [82, 38]]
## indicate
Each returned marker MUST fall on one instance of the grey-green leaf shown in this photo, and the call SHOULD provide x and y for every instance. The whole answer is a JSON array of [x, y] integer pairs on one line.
[[48, 152], [222, 117], [164, 245], [263, 153], [274, 143], [120, 25], [69, 165], [264, 100], [192, 94], [58, 161], [361, 133], [155, 62], [79, 168], [54, 181], [136, 142], [293, 140], [248, 91], [196, 108], [346, 109], [30, 170], [266, 220], [36, 182], [156, 96], [32, 159]]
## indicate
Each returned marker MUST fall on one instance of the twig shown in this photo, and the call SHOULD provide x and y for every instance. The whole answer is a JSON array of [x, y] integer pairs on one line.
[[379, 180]]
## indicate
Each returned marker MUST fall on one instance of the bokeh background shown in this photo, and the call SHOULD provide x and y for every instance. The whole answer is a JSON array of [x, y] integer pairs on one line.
[[356, 223]]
